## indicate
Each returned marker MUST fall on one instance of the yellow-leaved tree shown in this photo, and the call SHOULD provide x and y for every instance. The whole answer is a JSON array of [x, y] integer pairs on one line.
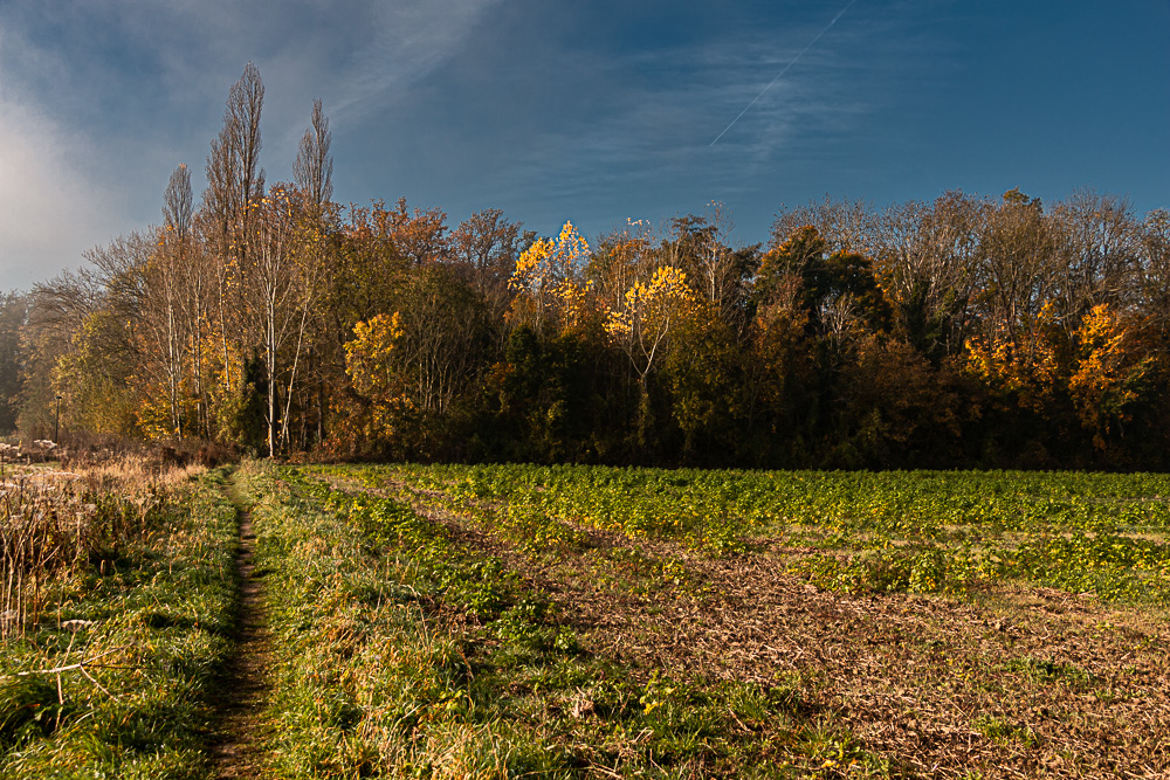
[[369, 358], [549, 282], [371, 361], [642, 324]]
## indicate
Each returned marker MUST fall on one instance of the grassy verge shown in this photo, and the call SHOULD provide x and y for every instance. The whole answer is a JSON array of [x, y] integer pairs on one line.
[[136, 639], [404, 652]]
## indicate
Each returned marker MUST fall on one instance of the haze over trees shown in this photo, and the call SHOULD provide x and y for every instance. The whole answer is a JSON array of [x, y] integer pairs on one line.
[[964, 331]]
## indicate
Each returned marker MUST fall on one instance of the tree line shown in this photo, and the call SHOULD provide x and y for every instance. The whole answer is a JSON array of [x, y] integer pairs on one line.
[[968, 331]]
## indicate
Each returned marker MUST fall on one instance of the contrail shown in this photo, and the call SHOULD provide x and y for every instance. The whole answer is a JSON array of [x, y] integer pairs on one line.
[[791, 62]]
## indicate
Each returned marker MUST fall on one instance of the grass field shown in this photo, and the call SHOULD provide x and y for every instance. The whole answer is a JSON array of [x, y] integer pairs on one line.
[[515, 619], [511, 621]]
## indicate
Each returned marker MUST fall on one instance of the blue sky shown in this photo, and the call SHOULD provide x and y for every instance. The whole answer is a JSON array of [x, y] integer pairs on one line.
[[590, 111]]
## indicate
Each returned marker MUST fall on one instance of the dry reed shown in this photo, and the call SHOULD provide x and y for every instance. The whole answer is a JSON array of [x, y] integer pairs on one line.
[[54, 524]]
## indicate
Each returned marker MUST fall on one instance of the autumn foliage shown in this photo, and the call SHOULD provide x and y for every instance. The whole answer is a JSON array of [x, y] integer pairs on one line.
[[964, 332]]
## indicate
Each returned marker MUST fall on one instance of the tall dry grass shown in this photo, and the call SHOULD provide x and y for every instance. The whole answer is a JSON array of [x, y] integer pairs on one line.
[[54, 524]]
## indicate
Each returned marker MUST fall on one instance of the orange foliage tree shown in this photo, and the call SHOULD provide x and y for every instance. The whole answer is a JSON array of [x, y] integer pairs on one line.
[[1108, 374], [1026, 368]]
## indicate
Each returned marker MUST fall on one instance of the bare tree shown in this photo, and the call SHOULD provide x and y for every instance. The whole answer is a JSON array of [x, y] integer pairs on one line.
[[245, 102], [442, 327], [925, 258], [313, 169], [278, 283], [177, 203], [197, 278], [233, 177], [487, 245], [308, 272], [1154, 295], [265, 286], [163, 323], [845, 226], [233, 183], [166, 274], [717, 265], [1099, 242], [1016, 268]]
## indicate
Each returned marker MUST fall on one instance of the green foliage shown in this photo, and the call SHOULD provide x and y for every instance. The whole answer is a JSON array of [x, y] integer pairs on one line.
[[92, 382], [1003, 731], [542, 400]]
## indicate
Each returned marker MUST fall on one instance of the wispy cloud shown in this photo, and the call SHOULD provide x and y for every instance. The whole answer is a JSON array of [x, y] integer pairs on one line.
[[545, 110], [359, 55], [795, 58], [660, 130], [410, 41], [107, 96]]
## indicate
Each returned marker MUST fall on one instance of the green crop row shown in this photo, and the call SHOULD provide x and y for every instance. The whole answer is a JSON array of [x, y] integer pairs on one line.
[[941, 532], [918, 502]]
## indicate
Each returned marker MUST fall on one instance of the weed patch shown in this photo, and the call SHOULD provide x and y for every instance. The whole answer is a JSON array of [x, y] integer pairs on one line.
[[112, 678]]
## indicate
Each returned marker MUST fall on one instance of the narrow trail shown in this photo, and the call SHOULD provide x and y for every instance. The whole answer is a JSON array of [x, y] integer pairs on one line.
[[240, 729]]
